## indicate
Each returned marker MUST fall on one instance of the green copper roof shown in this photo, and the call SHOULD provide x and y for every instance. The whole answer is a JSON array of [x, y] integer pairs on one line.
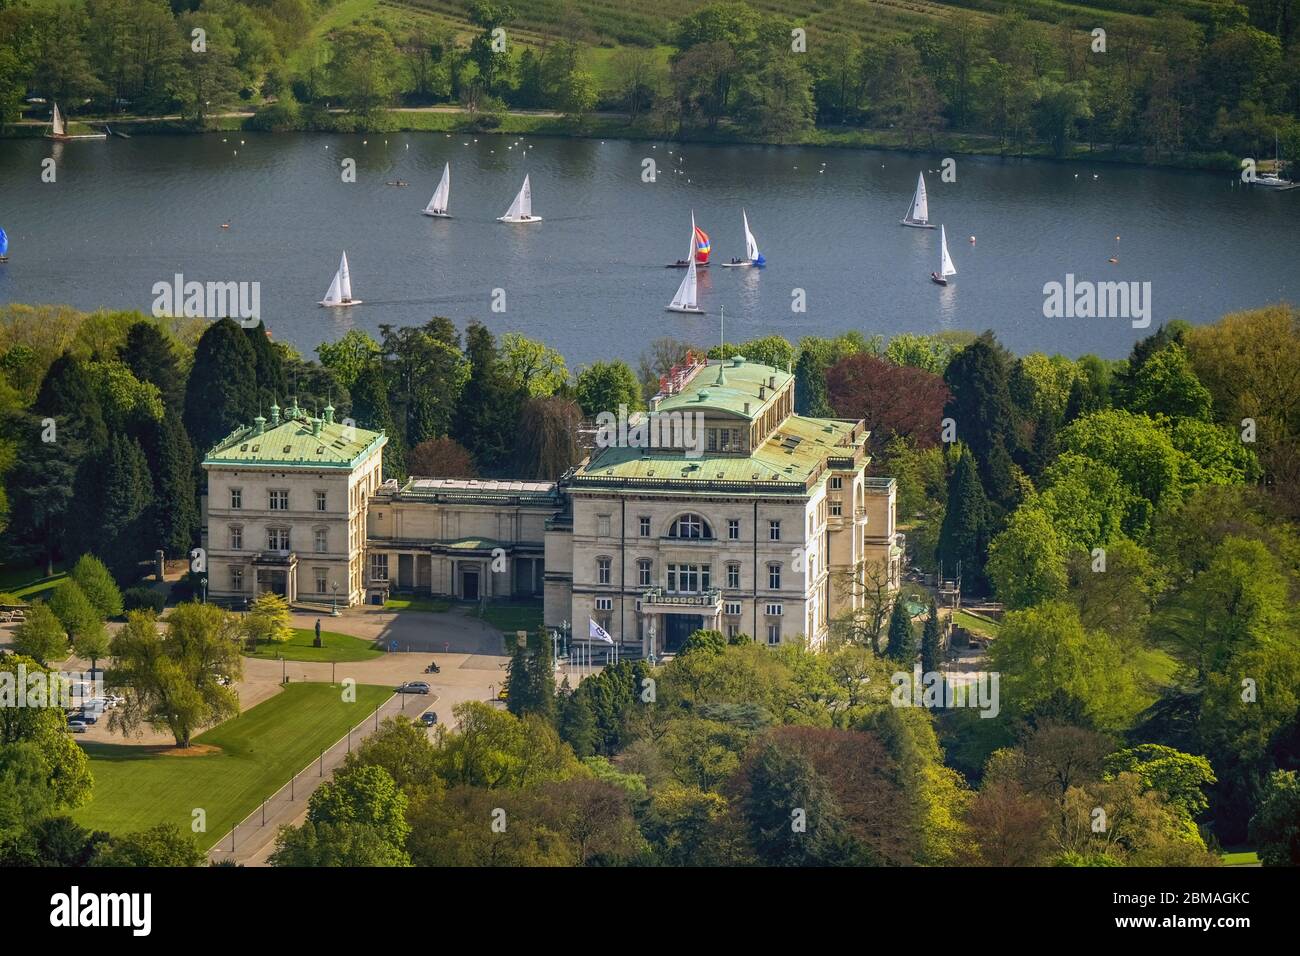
[[793, 453], [726, 387], [293, 443]]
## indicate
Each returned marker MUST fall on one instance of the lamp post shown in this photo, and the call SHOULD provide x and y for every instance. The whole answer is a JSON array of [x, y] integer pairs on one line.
[[334, 601], [203, 587]]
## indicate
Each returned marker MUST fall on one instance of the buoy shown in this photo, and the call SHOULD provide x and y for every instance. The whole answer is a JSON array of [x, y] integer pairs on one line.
[[972, 240], [225, 225]]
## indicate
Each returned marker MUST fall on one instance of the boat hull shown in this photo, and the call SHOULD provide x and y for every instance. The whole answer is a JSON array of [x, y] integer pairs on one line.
[[437, 215], [682, 308], [683, 265], [517, 220], [915, 225], [339, 305], [937, 281]]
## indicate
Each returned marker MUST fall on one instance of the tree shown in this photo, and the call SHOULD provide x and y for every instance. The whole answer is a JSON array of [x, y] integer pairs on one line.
[[1166, 385], [442, 458], [901, 646], [1275, 827], [425, 372], [365, 794], [810, 387], [165, 845], [893, 400], [1044, 651], [98, 586], [347, 357], [124, 508], [93, 645], [1059, 110], [530, 677], [363, 70], [335, 844], [605, 386], [488, 409], [531, 366], [63, 765], [1179, 777], [1027, 559], [149, 354], [268, 365], [175, 512], [267, 620], [967, 524], [173, 680], [986, 420], [931, 642], [40, 636], [221, 394], [547, 444], [73, 609], [403, 750]]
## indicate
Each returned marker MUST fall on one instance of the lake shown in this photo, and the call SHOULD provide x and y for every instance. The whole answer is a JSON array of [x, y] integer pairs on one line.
[[590, 279]]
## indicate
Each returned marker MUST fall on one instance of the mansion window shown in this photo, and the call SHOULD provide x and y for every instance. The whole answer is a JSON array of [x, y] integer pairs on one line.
[[837, 507], [277, 539], [320, 501], [602, 570], [322, 580], [690, 526], [733, 630], [723, 439], [733, 529], [604, 604], [774, 632], [733, 577], [731, 609], [278, 499], [773, 610], [774, 576], [774, 531], [322, 540], [689, 578], [644, 572], [645, 526], [236, 538], [836, 482], [602, 525], [237, 579], [379, 567], [236, 499]]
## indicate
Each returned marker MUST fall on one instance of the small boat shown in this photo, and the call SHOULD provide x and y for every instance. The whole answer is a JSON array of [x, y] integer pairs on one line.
[[59, 129], [700, 249], [4, 246], [1114, 260], [226, 224], [340, 291], [397, 182], [918, 214], [521, 210], [686, 300], [438, 204], [1275, 180], [946, 268], [752, 256]]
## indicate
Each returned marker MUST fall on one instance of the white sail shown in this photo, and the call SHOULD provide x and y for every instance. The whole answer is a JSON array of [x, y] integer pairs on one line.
[[334, 296], [686, 300], [56, 120], [751, 244], [920, 211], [438, 204], [946, 268], [345, 279], [522, 207]]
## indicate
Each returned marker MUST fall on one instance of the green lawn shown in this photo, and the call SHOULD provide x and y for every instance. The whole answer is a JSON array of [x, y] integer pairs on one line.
[[1240, 858], [513, 616], [27, 583], [976, 623], [137, 787], [408, 603], [338, 647]]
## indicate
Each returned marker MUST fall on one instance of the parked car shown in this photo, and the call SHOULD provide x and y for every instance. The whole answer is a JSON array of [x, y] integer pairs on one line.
[[77, 726], [89, 715], [429, 718], [503, 693], [114, 699], [414, 687]]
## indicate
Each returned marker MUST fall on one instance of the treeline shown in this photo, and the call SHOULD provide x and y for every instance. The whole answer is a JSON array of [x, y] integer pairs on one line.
[[1160, 87]]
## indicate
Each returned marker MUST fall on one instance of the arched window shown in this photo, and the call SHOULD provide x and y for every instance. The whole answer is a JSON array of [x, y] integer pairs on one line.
[[690, 526]]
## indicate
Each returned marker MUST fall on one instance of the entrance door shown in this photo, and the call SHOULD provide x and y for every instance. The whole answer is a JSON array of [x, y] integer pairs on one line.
[[274, 581], [679, 627], [469, 584]]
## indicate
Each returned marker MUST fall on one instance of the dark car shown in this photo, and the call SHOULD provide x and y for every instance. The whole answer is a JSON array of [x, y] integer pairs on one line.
[[429, 718]]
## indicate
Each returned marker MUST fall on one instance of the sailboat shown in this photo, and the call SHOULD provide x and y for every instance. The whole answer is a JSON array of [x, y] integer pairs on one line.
[[685, 300], [4, 246], [700, 249], [59, 128], [438, 204], [752, 256], [521, 210], [1275, 179], [946, 268], [918, 214], [340, 291]]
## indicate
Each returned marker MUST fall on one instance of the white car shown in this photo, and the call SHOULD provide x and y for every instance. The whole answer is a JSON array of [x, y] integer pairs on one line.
[[77, 726], [414, 687]]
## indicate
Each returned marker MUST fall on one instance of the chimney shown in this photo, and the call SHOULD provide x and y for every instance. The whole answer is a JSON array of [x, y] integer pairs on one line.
[[259, 425], [771, 381], [747, 408], [762, 391], [315, 425]]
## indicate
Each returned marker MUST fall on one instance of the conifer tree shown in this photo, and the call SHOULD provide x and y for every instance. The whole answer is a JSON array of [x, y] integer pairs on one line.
[[148, 353], [901, 645], [221, 394], [931, 645], [967, 526], [176, 517], [810, 396], [488, 411], [272, 384], [977, 379]]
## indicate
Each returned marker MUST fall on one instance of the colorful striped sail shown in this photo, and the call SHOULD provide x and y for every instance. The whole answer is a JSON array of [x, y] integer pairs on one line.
[[702, 246]]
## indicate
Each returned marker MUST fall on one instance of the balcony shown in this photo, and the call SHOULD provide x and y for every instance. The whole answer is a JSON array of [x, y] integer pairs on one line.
[[658, 599]]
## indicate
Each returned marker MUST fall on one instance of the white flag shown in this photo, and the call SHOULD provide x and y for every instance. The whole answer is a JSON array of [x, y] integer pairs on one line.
[[599, 632]]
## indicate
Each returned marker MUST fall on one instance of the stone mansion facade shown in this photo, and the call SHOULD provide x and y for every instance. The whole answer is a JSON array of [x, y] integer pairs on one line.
[[718, 507]]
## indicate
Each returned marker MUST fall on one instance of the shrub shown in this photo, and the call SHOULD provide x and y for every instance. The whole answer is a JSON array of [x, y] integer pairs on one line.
[[143, 599]]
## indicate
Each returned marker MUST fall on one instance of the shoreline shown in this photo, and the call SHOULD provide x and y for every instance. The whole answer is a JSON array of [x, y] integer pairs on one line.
[[449, 119]]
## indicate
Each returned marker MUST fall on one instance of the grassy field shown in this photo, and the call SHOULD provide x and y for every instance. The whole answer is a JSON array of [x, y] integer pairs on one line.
[[980, 625], [138, 787], [338, 647], [1240, 858], [513, 616], [432, 605]]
